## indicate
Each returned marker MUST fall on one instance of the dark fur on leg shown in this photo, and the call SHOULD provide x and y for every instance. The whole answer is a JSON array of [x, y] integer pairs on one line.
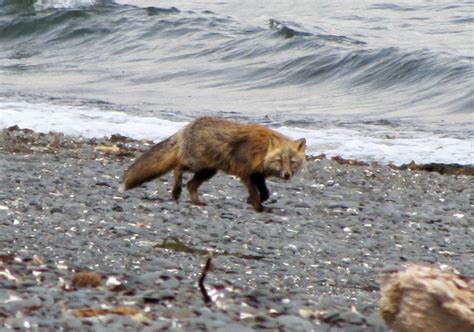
[[178, 180], [259, 181], [254, 196], [198, 178]]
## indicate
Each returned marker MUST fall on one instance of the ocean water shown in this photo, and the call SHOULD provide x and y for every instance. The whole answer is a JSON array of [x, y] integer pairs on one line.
[[373, 80]]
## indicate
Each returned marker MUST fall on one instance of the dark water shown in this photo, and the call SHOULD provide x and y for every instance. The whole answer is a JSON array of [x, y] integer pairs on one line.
[[298, 63]]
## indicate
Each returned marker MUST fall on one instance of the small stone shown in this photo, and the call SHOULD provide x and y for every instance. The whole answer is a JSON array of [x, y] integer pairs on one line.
[[234, 327], [88, 173], [117, 208], [149, 279], [55, 210], [304, 205], [352, 317], [158, 325], [166, 294], [376, 321], [164, 263], [86, 279], [71, 323], [294, 323], [170, 283]]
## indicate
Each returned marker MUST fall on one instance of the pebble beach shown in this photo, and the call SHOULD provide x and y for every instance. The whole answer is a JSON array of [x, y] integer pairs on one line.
[[309, 265]]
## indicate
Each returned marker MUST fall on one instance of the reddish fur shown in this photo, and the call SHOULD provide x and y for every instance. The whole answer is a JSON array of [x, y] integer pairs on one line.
[[211, 144]]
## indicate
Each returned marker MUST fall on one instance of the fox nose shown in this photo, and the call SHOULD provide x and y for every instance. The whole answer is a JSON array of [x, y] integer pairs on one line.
[[286, 175]]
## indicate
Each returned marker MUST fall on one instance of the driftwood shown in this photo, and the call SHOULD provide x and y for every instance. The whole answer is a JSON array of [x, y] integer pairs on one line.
[[427, 299]]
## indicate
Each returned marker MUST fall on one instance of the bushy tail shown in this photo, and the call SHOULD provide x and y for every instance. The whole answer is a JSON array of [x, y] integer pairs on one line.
[[159, 160]]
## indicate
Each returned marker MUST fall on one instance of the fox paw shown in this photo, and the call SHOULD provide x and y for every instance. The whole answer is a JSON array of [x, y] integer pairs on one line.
[[199, 203], [264, 210], [261, 208]]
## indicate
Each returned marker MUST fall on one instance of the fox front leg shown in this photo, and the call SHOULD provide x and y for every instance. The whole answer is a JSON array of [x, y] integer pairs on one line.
[[259, 181], [254, 196]]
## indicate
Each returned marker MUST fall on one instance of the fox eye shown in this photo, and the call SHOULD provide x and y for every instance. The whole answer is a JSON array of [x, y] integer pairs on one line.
[[278, 159]]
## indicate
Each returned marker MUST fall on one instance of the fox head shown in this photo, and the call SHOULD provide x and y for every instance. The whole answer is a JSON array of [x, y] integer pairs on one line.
[[284, 157]]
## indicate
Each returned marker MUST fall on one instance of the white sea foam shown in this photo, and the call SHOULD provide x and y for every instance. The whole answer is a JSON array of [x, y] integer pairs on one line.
[[47, 4], [421, 147], [82, 121]]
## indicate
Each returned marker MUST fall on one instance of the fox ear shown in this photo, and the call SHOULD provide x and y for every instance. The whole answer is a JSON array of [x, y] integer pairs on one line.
[[300, 144]]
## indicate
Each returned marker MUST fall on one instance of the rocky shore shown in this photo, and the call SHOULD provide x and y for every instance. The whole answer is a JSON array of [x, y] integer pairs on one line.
[[311, 264]]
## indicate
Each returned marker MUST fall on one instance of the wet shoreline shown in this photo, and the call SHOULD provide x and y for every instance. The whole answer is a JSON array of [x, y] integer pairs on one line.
[[311, 264]]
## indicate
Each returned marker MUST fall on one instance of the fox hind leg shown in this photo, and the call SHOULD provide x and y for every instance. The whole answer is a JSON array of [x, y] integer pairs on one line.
[[198, 178], [178, 180]]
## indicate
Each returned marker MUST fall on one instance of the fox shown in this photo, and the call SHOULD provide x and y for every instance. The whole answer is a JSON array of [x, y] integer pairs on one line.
[[251, 152]]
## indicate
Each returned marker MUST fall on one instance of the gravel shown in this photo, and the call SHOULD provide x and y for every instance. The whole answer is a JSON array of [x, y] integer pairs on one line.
[[311, 264]]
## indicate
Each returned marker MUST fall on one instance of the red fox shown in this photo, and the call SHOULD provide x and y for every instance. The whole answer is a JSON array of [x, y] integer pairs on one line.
[[250, 151]]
